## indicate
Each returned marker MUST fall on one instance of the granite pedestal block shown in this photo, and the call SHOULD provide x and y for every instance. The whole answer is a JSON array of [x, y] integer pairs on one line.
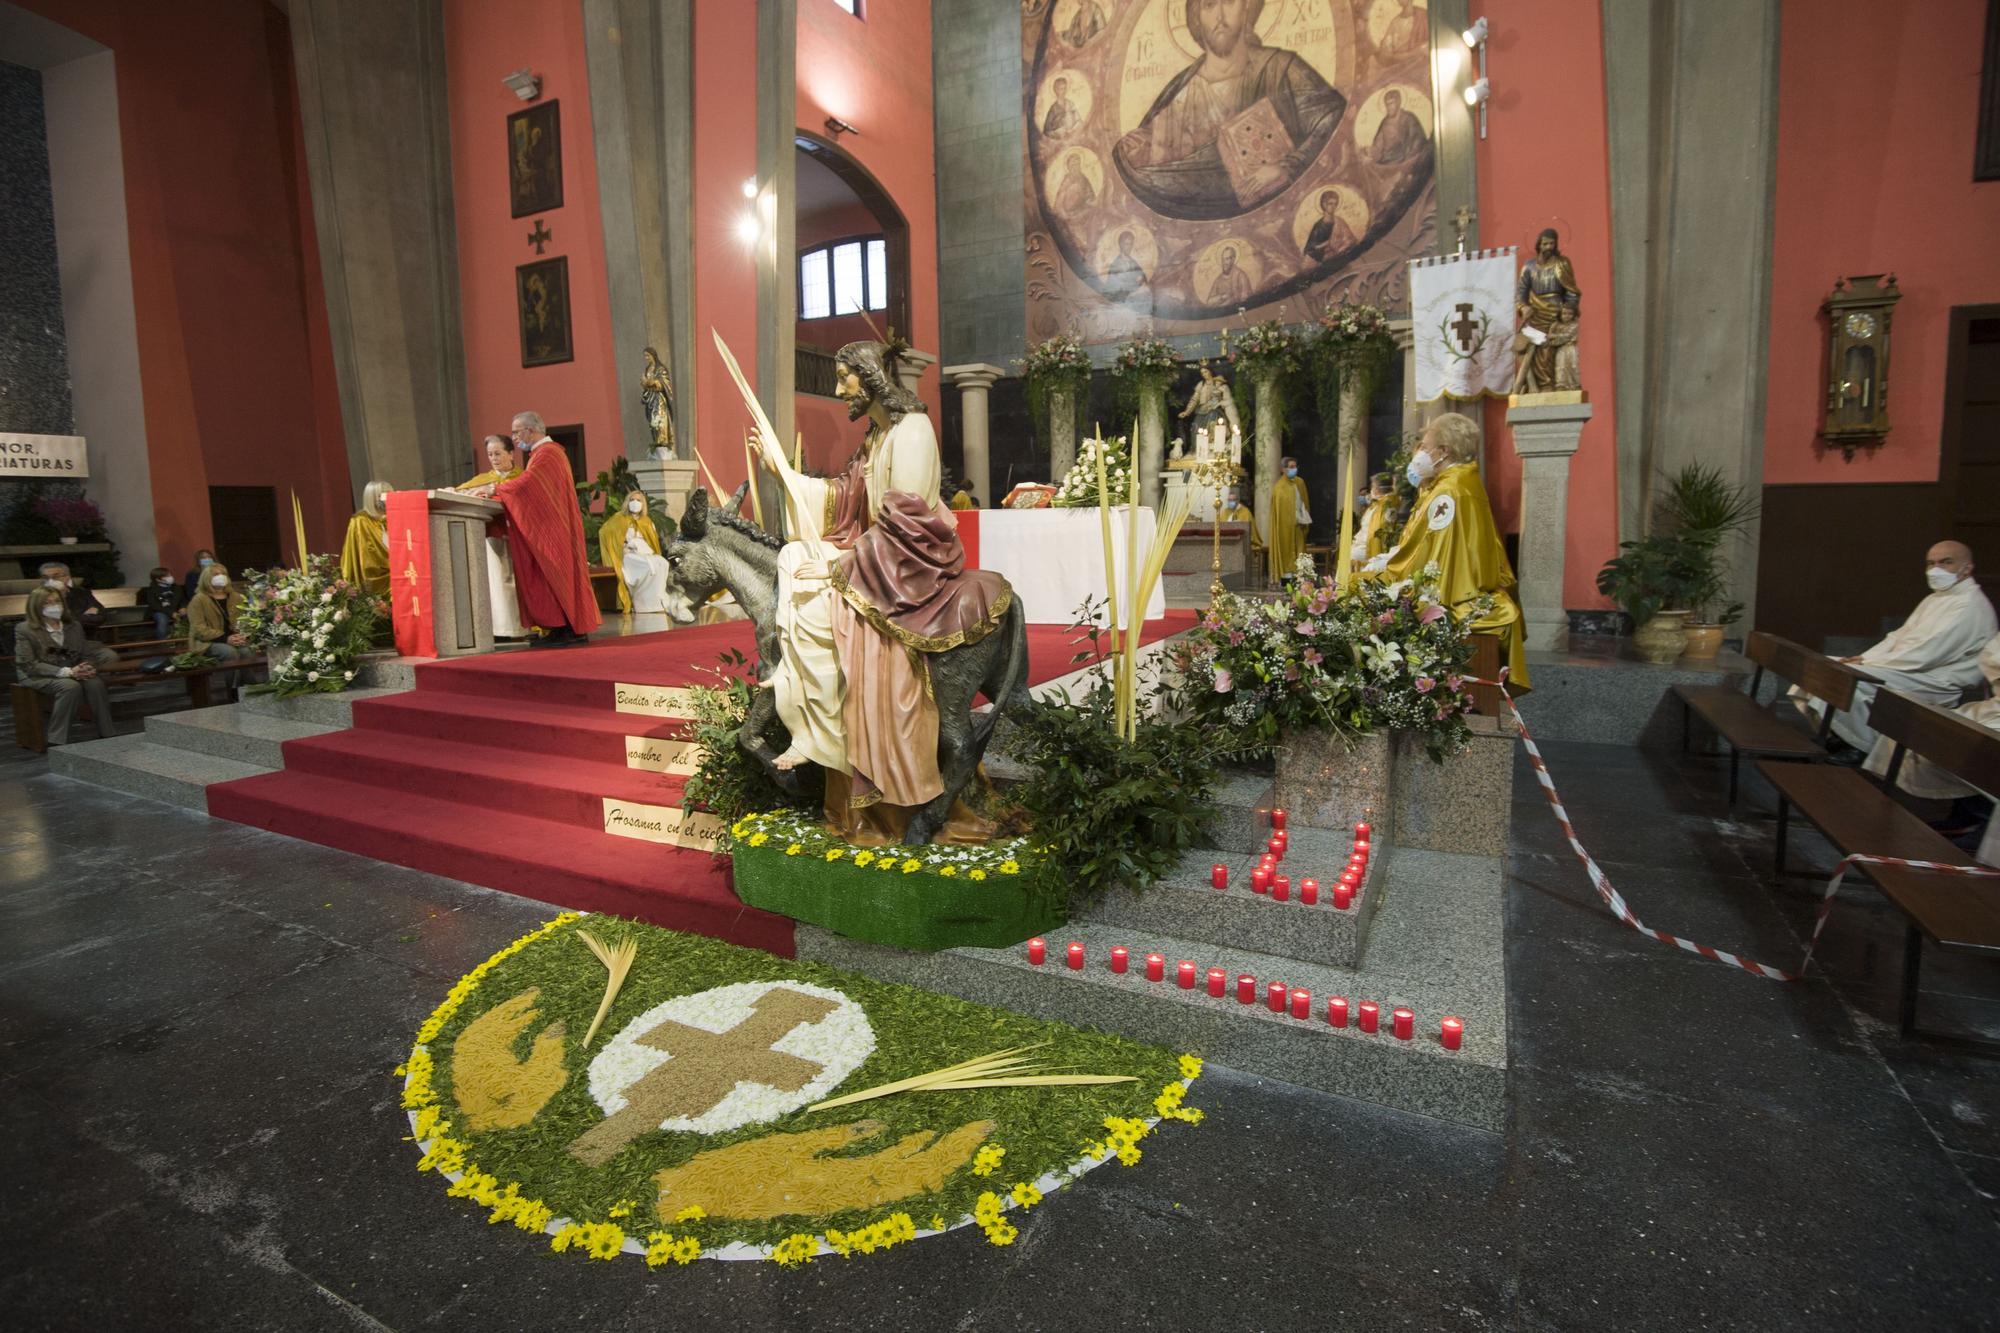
[[1463, 804], [1325, 782]]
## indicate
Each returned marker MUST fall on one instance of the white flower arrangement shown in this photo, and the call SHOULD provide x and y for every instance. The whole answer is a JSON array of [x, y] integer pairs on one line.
[[1079, 486], [313, 623]]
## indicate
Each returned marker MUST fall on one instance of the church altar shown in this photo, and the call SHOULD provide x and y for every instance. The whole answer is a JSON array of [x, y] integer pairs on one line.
[[1054, 557]]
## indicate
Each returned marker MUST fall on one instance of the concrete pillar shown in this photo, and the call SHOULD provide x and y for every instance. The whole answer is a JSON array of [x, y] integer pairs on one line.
[[1545, 438], [910, 368], [776, 252], [973, 381], [1062, 437], [1264, 432], [1152, 442]]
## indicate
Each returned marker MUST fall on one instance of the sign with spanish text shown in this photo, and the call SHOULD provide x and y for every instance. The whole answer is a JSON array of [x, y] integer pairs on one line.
[[43, 457]]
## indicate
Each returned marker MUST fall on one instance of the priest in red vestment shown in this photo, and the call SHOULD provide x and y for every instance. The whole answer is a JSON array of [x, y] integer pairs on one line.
[[545, 538]]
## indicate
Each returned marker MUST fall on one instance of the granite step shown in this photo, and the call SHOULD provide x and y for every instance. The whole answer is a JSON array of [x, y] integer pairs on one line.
[[334, 712], [231, 731], [1437, 948], [136, 764]]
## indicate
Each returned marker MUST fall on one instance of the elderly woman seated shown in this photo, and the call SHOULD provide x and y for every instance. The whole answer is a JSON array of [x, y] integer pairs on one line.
[[213, 619], [52, 657]]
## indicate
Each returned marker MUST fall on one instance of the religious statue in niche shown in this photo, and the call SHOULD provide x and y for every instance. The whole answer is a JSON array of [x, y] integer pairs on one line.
[[1545, 303], [534, 159], [1213, 408], [1251, 150], [656, 395]]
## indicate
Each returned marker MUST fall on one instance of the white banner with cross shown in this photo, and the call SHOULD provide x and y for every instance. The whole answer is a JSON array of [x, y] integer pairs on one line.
[[1462, 323]]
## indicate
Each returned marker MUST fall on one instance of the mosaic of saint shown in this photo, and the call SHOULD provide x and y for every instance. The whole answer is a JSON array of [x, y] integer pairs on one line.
[[1192, 161]]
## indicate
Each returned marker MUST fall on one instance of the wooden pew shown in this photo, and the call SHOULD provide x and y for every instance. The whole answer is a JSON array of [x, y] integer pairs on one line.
[[1861, 818], [32, 707], [1758, 730]]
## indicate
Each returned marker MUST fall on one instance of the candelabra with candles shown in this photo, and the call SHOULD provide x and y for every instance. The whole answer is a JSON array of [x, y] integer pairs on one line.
[[1213, 466]]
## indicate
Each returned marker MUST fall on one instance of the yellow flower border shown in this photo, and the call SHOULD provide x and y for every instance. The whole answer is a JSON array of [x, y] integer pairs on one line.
[[451, 1158]]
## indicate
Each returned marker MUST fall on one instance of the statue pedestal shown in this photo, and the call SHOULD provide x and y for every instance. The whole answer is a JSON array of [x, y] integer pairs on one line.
[[972, 382], [1062, 438], [670, 481], [1545, 436], [439, 599]]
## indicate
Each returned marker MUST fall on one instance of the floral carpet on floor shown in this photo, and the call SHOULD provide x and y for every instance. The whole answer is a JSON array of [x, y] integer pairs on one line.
[[686, 1126]]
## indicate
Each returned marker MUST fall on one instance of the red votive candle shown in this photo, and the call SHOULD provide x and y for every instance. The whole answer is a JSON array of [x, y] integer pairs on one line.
[[1275, 995], [1361, 848], [1343, 895], [1218, 982], [1308, 891], [1076, 957], [1284, 841], [1361, 831], [1156, 967], [1281, 888], [1277, 821], [1260, 879], [1275, 847], [1038, 950], [1336, 1010], [1351, 879], [1185, 974], [1302, 1004], [1121, 958], [1371, 1015], [1403, 1023], [1218, 875], [1246, 989], [1451, 1032]]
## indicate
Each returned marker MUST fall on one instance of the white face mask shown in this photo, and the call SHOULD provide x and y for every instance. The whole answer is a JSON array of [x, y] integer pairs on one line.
[[636, 506], [1421, 467], [205, 562], [55, 583], [164, 583], [218, 582], [1941, 580], [52, 612]]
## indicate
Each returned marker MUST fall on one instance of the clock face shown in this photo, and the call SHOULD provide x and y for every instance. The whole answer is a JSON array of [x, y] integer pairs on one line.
[[1860, 325]]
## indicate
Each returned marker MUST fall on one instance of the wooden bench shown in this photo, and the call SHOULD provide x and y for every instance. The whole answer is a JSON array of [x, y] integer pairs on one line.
[[1750, 728], [32, 707], [1861, 818]]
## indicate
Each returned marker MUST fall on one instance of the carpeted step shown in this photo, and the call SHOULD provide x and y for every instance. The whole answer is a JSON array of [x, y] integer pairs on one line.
[[484, 781], [498, 847], [587, 677], [543, 728]]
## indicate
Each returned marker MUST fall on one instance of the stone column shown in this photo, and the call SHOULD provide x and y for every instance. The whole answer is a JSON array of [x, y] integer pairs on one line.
[[1545, 437], [972, 381], [1264, 470], [1152, 442], [670, 481], [910, 368], [1062, 437], [1352, 433]]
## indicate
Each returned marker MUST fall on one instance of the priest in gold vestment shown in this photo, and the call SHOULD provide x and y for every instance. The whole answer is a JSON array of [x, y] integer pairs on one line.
[[1290, 519], [364, 555], [500, 466], [1451, 526]]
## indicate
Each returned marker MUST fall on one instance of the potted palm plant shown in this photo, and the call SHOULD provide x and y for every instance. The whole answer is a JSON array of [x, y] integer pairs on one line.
[[1703, 509], [1655, 581]]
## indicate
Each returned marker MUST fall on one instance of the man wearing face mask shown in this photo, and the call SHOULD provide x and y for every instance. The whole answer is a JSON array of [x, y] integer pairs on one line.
[[83, 605], [52, 657], [1932, 656], [213, 617], [545, 538], [1451, 526], [629, 542], [162, 600], [1290, 518]]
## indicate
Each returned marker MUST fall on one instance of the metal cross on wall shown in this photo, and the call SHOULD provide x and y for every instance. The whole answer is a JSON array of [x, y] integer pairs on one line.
[[540, 236]]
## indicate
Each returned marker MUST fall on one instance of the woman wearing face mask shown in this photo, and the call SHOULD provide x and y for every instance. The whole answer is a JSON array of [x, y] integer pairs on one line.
[[630, 544], [1290, 519], [213, 617], [500, 466], [162, 599], [52, 657], [1451, 526], [191, 581], [364, 556]]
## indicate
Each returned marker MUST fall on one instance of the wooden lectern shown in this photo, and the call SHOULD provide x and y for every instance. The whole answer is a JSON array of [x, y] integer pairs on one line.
[[438, 592]]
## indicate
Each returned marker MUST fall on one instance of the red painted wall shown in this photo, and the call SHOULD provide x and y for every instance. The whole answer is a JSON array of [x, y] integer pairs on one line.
[[1877, 111], [1532, 122], [484, 41], [725, 280], [231, 329]]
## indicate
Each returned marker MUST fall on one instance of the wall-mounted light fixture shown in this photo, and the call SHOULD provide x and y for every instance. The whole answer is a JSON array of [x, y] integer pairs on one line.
[[748, 228], [837, 127], [1480, 92], [523, 84], [750, 187]]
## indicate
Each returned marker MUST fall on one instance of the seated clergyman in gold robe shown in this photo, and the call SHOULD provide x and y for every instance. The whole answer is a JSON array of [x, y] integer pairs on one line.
[[1374, 534], [364, 556], [1451, 526]]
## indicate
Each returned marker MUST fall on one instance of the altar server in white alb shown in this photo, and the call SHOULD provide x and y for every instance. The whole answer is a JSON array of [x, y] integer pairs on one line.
[[1932, 656]]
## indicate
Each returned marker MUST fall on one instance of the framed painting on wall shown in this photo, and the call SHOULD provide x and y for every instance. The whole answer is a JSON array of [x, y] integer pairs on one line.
[[534, 159], [542, 291]]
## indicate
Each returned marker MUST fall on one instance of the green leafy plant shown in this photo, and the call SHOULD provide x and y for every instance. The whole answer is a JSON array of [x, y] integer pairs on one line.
[[728, 781], [1654, 574], [1353, 346], [1057, 365], [1703, 508], [600, 497]]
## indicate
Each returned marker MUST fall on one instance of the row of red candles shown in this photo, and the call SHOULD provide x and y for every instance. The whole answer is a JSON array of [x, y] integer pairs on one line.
[[1279, 996], [1264, 878]]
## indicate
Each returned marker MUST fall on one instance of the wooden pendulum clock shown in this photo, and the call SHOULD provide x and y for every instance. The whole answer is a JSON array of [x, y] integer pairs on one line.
[[1857, 383]]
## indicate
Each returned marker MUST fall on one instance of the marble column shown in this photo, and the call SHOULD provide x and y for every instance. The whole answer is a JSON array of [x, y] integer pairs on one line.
[[910, 368], [1152, 442], [1545, 438], [973, 380], [1062, 436], [1264, 469]]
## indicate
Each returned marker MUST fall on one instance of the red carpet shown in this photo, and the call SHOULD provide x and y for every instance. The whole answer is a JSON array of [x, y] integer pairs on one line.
[[495, 769]]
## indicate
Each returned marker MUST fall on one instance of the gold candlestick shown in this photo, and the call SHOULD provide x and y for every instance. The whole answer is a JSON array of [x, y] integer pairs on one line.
[[1216, 470]]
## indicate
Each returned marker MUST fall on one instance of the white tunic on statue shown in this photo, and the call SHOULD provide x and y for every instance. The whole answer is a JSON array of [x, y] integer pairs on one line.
[[645, 573], [807, 685], [1933, 656]]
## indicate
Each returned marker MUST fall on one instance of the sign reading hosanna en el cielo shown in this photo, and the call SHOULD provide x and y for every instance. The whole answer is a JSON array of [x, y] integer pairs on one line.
[[52, 456]]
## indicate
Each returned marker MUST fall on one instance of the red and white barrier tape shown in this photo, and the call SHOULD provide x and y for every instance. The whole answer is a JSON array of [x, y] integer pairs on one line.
[[1840, 873]]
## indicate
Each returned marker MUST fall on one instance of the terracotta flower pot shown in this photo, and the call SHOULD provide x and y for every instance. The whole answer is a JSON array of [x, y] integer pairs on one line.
[[1703, 642], [1662, 639]]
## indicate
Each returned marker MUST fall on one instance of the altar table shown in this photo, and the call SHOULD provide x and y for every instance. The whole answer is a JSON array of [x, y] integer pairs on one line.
[[1054, 557]]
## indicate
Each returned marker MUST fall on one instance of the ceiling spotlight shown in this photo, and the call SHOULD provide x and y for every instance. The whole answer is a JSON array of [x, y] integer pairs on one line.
[[837, 127], [747, 228], [750, 188], [1475, 34], [523, 83], [1477, 94]]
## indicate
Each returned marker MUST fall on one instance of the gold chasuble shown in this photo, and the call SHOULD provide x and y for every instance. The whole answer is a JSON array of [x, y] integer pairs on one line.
[[488, 479], [611, 548], [1451, 526], [1289, 520], [1374, 531], [364, 556]]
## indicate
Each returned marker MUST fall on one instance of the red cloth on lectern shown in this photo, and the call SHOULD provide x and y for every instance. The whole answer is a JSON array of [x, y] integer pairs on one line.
[[545, 537]]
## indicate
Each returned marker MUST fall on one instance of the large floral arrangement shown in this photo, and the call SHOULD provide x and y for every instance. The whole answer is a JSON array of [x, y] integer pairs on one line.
[[313, 624], [1355, 334], [1269, 348], [1372, 658], [1079, 488], [1057, 365], [1146, 360]]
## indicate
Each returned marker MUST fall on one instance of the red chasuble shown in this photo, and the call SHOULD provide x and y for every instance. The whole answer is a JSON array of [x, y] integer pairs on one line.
[[545, 537]]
